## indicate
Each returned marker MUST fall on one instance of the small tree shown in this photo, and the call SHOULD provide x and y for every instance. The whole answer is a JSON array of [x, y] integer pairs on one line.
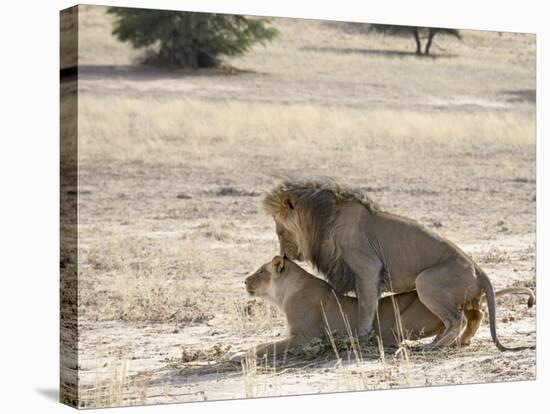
[[416, 32], [189, 39]]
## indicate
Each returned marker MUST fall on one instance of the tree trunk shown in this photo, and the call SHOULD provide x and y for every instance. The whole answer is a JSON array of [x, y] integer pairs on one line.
[[187, 59], [417, 40], [193, 59], [206, 60], [431, 35]]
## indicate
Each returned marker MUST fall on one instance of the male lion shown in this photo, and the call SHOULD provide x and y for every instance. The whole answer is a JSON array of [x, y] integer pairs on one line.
[[359, 247], [310, 304]]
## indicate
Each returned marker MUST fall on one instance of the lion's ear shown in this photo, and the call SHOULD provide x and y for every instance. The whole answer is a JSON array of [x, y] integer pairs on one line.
[[288, 202], [278, 264]]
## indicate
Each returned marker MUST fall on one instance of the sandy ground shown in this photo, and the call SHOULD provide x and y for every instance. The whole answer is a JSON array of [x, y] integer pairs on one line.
[[173, 165]]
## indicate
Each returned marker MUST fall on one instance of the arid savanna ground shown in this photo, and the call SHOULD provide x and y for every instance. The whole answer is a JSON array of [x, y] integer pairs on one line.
[[173, 164]]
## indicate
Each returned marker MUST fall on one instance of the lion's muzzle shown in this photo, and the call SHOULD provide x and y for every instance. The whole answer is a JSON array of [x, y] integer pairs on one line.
[[250, 283]]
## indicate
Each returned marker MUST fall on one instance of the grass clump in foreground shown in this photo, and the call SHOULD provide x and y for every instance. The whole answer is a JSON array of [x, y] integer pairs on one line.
[[214, 354], [334, 343]]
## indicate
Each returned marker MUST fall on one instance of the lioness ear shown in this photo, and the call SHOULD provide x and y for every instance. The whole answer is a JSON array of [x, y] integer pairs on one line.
[[278, 264]]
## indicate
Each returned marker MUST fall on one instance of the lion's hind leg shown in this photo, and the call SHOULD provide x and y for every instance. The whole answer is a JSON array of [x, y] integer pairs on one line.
[[442, 289]]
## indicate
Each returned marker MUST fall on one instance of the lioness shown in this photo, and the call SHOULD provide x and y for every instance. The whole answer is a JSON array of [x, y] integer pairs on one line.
[[359, 247], [306, 300]]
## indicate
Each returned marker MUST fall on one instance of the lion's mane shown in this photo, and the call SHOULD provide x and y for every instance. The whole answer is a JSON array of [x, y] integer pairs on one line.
[[315, 205]]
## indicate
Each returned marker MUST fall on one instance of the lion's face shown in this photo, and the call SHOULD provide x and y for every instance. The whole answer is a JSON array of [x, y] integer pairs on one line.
[[287, 243], [261, 282]]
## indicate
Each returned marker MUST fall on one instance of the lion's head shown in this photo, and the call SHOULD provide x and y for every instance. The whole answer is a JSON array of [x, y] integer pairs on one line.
[[287, 243], [304, 214]]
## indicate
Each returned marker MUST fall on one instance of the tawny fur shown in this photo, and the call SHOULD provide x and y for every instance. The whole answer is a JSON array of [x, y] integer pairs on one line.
[[359, 247], [306, 300]]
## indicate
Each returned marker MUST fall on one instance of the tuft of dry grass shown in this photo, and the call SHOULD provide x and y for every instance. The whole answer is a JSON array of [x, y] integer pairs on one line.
[[147, 295], [251, 316], [109, 387], [250, 375], [152, 282]]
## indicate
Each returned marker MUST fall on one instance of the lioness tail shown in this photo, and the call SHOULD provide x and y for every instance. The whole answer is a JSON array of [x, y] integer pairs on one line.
[[518, 291]]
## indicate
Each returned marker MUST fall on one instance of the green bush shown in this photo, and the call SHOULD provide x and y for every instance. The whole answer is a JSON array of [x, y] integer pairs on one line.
[[190, 39]]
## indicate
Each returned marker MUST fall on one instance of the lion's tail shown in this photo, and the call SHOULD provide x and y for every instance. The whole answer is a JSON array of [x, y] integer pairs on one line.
[[491, 304]]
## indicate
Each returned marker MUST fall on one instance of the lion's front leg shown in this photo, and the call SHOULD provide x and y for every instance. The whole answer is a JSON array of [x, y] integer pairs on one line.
[[279, 347], [367, 302], [367, 283]]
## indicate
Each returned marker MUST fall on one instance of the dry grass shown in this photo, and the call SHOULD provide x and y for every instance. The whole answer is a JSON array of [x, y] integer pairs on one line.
[[152, 282], [174, 131], [109, 387], [251, 316]]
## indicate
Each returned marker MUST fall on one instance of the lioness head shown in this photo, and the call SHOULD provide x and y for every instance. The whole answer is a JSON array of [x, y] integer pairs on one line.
[[261, 283]]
